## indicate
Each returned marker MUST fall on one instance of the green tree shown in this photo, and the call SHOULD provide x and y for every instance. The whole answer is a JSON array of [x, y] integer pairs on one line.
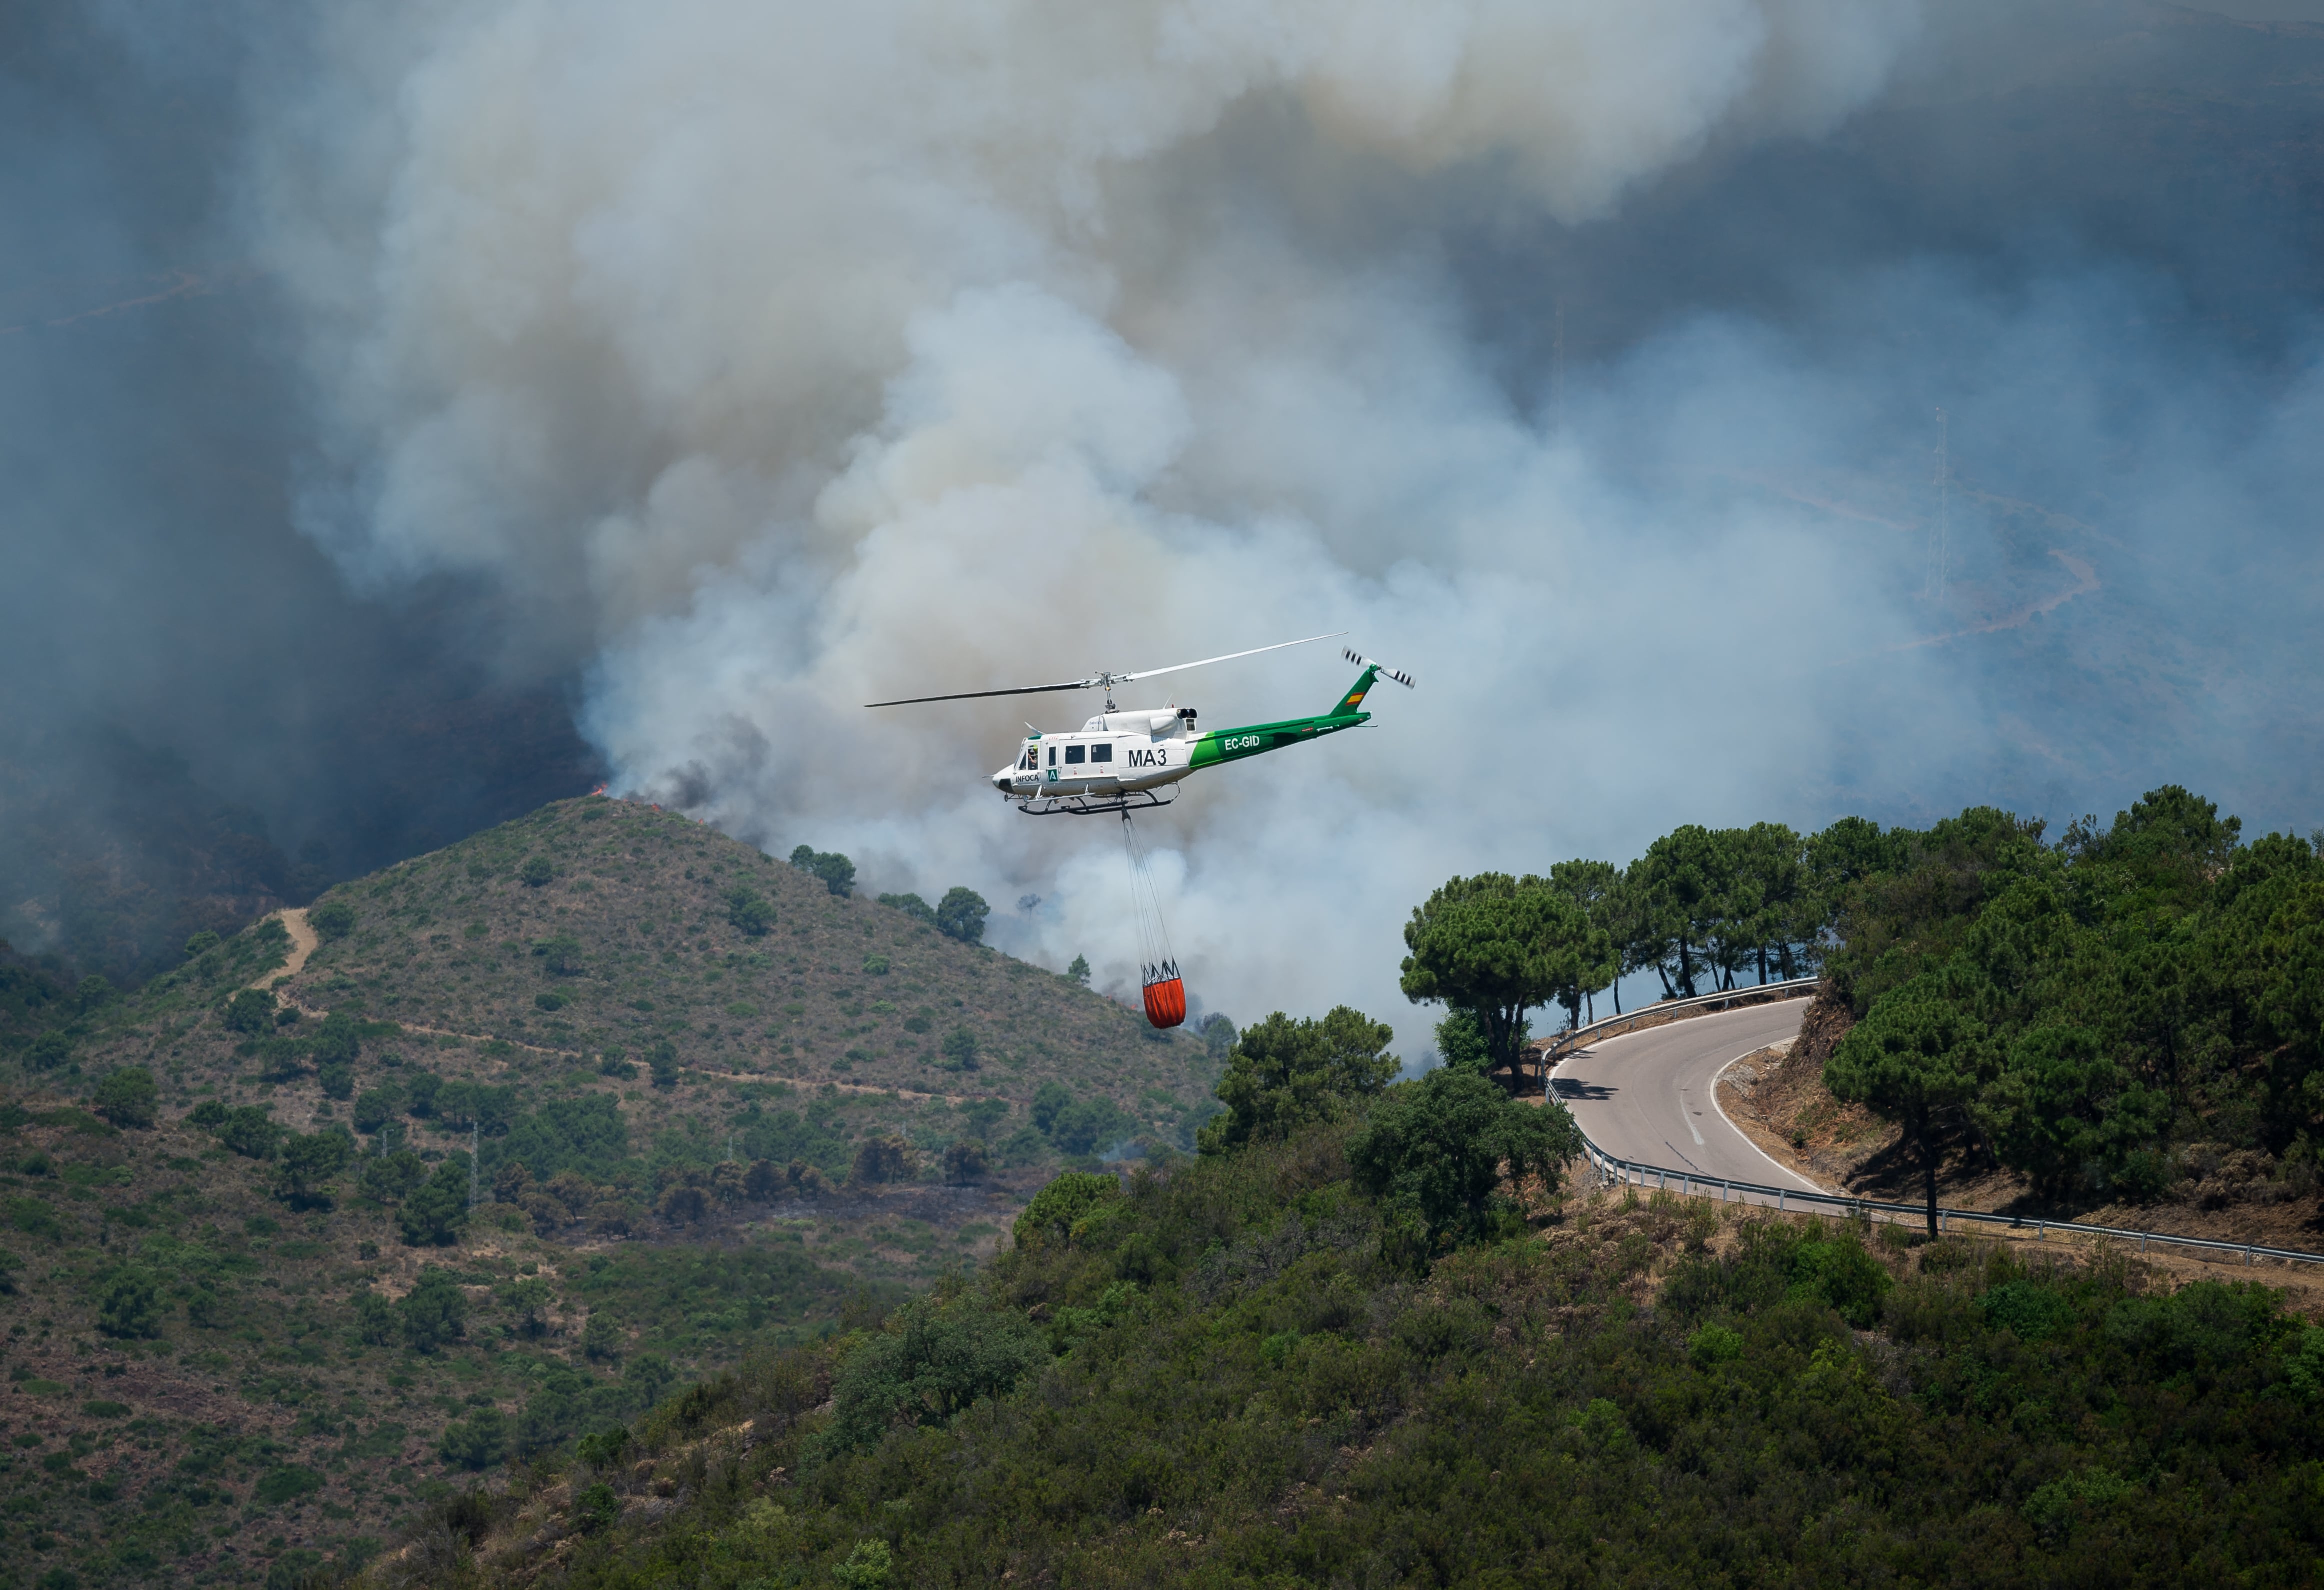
[[661, 1058], [392, 1178], [1596, 886], [332, 918], [749, 912], [127, 1097], [529, 1299], [1284, 1074], [836, 872], [1080, 970], [1049, 1101], [961, 914], [1683, 880], [537, 870], [477, 1442], [1461, 1042], [1497, 946], [309, 1164], [1917, 1058], [435, 1311], [1436, 1154], [561, 955], [912, 906], [248, 1132], [2062, 1110], [433, 1215]]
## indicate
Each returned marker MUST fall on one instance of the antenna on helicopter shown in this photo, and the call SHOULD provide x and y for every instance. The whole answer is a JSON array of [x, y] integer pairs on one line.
[[1106, 681]]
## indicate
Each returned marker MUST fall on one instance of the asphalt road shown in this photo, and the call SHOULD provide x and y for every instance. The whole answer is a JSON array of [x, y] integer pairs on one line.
[[1647, 1095]]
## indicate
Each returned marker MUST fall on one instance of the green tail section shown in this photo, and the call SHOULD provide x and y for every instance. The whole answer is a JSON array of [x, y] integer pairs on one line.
[[1354, 699]]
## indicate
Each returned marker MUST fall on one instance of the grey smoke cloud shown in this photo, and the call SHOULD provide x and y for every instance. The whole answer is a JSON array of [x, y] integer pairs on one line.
[[788, 358], [757, 362], [785, 362]]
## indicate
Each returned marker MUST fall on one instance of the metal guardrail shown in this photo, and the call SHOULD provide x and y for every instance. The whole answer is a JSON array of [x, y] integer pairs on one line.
[[1564, 1043], [1615, 1170], [1611, 1168]]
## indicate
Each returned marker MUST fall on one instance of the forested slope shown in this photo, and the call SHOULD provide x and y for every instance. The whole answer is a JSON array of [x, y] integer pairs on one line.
[[1249, 1372], [261, 1301]]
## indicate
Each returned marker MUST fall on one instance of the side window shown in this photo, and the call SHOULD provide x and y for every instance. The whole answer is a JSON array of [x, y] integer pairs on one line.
[[1073, 753], [1102, 752], [1053, 756]]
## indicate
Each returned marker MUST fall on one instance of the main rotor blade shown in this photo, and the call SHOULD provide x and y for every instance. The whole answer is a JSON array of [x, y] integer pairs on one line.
[[1102, 681], [1123, 679], [974, 694]]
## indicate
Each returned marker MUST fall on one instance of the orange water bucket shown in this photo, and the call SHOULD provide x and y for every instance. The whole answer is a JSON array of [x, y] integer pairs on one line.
[[1166, 995]]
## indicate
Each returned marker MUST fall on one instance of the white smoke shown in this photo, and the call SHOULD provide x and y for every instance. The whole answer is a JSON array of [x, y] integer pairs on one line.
[[780, 358]]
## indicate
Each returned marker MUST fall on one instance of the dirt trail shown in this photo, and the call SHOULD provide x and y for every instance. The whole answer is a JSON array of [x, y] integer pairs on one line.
[[304, 942]]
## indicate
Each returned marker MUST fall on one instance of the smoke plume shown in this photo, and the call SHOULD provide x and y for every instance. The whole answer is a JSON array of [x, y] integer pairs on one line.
[[1727, 409]]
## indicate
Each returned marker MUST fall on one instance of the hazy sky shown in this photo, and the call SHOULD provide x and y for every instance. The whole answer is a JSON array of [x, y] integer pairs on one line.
[[1727, 409]]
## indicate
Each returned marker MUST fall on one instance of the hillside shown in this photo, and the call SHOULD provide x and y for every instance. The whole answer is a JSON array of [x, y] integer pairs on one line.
[[1240, 1374], [256, 1320]]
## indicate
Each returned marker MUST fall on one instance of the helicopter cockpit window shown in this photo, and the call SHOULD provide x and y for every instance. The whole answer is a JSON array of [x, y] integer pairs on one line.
[[1073, 753], [1102, 752]]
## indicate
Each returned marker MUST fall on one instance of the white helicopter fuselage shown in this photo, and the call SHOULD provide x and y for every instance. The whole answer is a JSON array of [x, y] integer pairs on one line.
[[1114, 753]]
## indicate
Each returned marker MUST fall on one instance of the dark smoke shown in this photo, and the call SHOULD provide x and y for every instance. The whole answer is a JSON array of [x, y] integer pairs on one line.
[[199, 720]]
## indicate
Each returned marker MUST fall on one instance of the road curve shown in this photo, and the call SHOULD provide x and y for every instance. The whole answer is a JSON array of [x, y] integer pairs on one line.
[[1648, 1096]]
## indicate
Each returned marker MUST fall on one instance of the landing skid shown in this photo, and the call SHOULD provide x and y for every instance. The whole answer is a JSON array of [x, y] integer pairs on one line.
[[1097, 805]]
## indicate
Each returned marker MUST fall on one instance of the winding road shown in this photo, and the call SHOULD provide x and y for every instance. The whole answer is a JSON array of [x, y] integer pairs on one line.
[[1648, 1096]]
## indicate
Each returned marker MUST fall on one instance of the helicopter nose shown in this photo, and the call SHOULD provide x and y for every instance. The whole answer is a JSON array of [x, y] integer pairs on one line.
[[1000, 780]]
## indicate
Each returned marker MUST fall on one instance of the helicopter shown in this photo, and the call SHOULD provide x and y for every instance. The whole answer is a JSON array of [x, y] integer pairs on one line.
[[1129, 761]]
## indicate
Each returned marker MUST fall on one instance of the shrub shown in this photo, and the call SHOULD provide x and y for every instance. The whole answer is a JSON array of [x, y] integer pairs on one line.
[[536, 872], [288, 1483], [127, 1097], [338, 1081], [49, 1051], [251, 1010], [960, 1049], [202, 944], [965, 1162], [961, 914], [662, 1058], [561, 955], [433, 1312], [129, 1305], [879, 1159], [1843, 1277], [875, 965], [332, 920], [374, 1319], [597, 1509], [942, 1361], [749, 913], [549, 1000], [247, 1131], [339, 1041], [1433, 1153]]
